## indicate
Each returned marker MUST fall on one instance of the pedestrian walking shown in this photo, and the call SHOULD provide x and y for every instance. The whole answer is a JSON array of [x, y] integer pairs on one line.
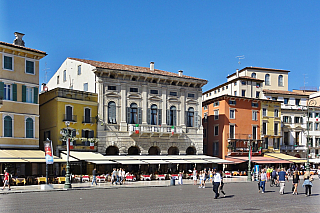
[[216, 183], [94, 176], [307, 183], [295, 182], [194, 176], [282, 175], [6, 180], [263, 180]]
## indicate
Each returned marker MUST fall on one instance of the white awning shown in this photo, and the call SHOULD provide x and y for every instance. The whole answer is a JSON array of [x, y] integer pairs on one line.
[[156, 161], [130, 162]]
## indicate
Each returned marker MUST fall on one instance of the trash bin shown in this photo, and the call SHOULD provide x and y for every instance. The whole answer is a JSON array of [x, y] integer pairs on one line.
[[172, 181]]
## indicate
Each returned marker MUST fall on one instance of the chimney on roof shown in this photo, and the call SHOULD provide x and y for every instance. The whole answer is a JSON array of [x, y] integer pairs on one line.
[[237, 73], [18, 40], [151, 66], [180, 73]]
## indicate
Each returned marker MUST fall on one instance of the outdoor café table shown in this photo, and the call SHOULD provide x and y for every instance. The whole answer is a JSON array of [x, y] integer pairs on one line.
[[161, 177], [41, 179], [61, 179], [130, 177], [19, 180], [145, 177], [85, 178]]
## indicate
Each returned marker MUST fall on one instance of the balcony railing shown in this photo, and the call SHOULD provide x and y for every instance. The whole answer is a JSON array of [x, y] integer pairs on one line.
[[88, 120], [68, 117], [152, 129]]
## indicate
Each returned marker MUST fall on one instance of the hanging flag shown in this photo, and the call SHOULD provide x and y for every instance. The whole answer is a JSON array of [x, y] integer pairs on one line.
[[172, 130]]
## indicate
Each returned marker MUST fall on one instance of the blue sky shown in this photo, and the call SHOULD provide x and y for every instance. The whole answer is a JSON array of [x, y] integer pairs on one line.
[[202, 38]]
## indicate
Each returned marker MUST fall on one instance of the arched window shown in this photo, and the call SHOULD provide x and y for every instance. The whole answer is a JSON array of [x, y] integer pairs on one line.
[[267, 79], [112, 113], [253, 75], [29, 128], [190, 116], [173, 116], [7, 126], [280, 81], [133, 113], [154, 110]]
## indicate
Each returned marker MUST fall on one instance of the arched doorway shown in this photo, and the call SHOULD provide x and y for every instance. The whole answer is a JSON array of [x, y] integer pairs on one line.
[[133, 150], [112, 150], [173, 151], [191, 150], [154, 150]]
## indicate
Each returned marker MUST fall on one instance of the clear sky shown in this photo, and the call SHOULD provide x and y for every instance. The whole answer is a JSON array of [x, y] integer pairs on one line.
[[202, 38]]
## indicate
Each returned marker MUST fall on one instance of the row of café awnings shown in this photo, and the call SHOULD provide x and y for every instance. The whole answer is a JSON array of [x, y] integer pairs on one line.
[[97, 158], [268, 158], [25, 156]]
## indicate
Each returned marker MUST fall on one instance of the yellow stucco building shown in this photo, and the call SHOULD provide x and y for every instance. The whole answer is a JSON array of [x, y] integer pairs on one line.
[[19, 83], [78, 108], [271, 125]]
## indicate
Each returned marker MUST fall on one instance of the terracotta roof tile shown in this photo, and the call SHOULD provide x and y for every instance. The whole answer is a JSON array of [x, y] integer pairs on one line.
[[113, 66], [22, 47], [282, 92]]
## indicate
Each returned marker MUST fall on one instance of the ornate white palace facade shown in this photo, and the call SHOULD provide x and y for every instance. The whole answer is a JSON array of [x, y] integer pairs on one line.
[[141, 110]]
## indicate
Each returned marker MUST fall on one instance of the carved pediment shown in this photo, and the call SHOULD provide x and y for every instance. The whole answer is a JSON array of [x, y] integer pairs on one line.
[[113, 94], [154, 98]]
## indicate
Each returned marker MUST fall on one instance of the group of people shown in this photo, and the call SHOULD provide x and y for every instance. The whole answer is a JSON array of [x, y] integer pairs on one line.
[[210, 175], [280, 176]]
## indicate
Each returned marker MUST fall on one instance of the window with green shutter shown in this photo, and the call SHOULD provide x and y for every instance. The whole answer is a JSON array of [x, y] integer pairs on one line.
[[7, 126], [29, 128], [29, 67]]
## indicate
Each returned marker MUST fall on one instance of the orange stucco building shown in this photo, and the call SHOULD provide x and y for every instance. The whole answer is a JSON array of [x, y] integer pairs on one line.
[[229, 122]]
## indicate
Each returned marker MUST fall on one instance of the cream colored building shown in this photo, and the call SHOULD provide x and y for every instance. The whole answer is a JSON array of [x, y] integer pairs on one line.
[[19, 83]]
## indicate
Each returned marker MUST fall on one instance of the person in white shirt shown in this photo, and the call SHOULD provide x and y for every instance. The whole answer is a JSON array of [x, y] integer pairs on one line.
[[216, 183]]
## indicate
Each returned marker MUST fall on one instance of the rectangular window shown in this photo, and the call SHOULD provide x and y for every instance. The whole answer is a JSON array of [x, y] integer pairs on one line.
[[264, 112], [58, 79], [79, 70], [216, 114], [29, 95], [297, 102], [243, 93], [276, 128], [257, 94], [64, 75], [154, 91], [276, 113], [7, 63], [231, 102], [254, 104], [232, 113], [264, 128], [286, 100], [231, 131], [173, 93], [85, 87], [112, 88], [190, 95], [216, 130], [254, 115], [29, 67], [133, 89], [235, 93]]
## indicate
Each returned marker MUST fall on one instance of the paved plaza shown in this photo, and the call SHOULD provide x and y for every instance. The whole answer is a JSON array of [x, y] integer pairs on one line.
[[240, 197]]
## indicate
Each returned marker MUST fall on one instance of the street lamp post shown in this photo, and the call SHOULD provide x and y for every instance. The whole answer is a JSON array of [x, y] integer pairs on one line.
[[249, 158], [67, 184], [310, 103]]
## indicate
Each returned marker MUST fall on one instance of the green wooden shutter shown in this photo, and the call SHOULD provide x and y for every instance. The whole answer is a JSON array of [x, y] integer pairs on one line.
[[35, 95], [14, 92], [1, 90], [24, 90]]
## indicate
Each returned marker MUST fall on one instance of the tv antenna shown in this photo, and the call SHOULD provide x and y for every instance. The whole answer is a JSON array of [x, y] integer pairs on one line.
[[240, 58], [45, 78]]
